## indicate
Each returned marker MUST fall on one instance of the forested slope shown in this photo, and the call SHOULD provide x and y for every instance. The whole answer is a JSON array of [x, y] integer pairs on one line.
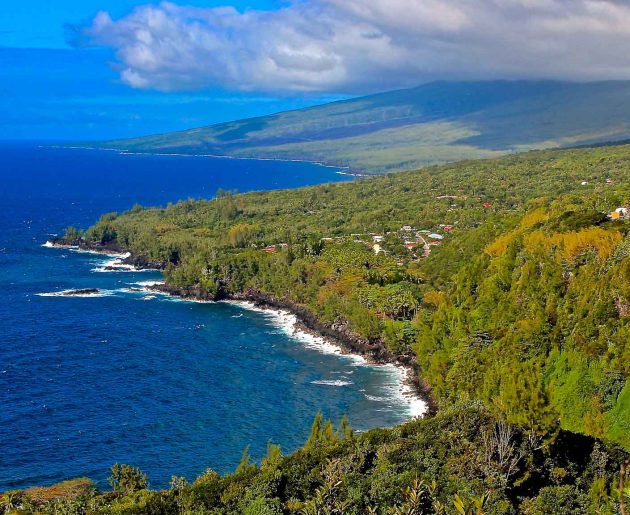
[[523, 304], [461, 461], [507, 280]]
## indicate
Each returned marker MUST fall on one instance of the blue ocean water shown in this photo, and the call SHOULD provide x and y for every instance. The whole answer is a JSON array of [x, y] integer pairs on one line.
[[170, 386]]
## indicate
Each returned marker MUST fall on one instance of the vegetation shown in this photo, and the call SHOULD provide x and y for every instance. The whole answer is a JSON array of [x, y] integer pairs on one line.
[[460, 461], [524, 305], [519, 320], [434, 123]]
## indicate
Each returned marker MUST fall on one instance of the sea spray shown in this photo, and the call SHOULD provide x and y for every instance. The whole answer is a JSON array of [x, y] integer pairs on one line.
[[401, 390]]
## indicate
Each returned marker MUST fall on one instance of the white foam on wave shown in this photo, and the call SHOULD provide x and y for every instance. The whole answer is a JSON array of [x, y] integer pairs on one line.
[[375, 398], [399, 391], [186, 300], [74, 248], [115, 264], [69, 294], [104, 253], [147, 284], [332, 382], [287, 322]]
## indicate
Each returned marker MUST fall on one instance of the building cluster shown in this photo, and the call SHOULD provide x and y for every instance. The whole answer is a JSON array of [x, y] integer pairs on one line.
[[412, 239], [418, 242], [271, 249]]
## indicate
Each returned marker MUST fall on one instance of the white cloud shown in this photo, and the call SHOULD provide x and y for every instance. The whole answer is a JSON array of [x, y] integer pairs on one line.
[[361, 45]]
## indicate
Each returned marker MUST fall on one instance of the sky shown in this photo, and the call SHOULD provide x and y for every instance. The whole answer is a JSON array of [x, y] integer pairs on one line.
[[52, 89], [95, 69]]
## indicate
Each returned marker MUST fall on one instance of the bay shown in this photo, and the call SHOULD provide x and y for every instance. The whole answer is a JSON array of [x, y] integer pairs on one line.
[[169, 386]]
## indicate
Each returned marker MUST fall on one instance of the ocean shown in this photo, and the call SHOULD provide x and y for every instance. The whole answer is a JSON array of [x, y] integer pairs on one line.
[[127, 376]]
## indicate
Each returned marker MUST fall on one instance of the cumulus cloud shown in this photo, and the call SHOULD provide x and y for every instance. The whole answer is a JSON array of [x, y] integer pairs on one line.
[[355, 46]]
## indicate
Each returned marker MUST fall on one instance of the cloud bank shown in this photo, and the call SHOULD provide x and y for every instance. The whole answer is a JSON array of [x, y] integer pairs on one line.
[[354, 46]]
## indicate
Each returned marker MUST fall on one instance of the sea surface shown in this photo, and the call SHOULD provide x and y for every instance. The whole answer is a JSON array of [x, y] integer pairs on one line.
[[127, 376]]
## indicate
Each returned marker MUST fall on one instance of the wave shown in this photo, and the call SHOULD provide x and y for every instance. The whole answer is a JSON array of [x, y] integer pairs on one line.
[[74, 248], [116, 265], [376, 398], [147, 284], [287, 322], [332, 382], [71, 295], [400, 391], [124, 152]]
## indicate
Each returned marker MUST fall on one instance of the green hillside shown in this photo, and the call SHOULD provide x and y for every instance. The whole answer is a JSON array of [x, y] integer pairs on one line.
[[522, 302], [434, 123], [518, 319]]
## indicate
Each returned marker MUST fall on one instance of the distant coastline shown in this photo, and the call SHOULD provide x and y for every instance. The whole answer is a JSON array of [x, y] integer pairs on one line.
[[124, 152]]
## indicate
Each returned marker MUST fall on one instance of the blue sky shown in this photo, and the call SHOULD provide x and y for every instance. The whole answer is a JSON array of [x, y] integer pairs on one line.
[[98, 69], [40, 23], [52, 91]]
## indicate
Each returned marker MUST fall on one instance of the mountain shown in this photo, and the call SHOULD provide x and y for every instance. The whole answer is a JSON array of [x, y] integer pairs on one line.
[[434, 123]]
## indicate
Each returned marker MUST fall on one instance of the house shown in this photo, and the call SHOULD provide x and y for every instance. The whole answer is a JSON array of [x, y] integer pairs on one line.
[[609, 182], [377, 248], [410, 246], [621, 213], [377, 238], [328, 240], [448, 228], [486, 204], [270, 249], [406, 228]]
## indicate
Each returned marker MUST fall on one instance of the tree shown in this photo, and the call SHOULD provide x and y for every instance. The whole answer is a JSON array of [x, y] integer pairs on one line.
[[72, 234], [240, 235], [127, 479]]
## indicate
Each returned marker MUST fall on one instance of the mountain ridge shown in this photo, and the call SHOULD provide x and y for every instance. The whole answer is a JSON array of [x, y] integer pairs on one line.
[[433, 123]]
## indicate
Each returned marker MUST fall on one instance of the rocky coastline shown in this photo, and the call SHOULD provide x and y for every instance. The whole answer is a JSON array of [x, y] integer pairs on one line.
[[138, 262], [338, 333]]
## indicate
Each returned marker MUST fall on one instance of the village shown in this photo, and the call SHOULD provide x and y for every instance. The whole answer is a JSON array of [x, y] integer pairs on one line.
[[418, 243]]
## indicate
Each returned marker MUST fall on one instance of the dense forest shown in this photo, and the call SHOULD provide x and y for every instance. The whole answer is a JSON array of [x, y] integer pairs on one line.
[[507, 280]]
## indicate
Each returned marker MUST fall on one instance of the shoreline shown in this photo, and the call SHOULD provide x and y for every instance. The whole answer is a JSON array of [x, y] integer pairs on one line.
[[122, 259], [336, 335], [406, 389], [215, 156]]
